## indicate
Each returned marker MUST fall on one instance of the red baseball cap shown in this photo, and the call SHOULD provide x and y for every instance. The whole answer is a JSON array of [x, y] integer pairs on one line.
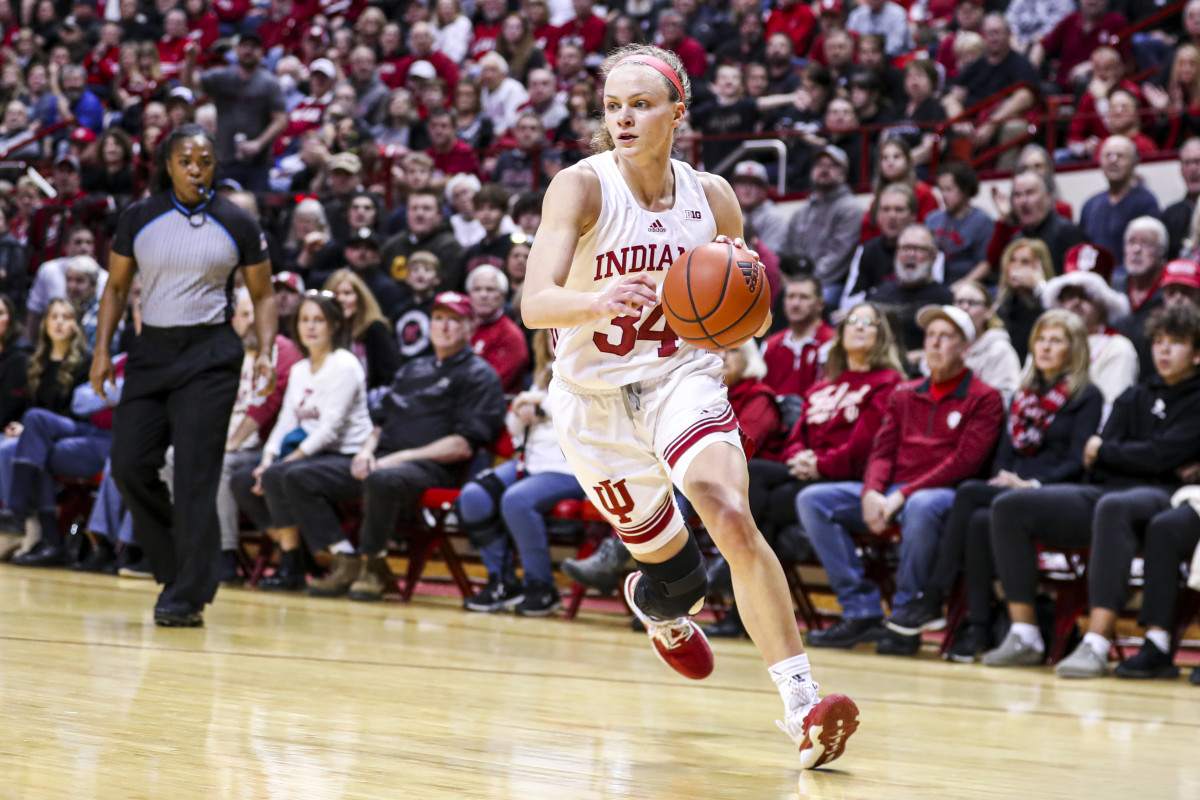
[[832, 8], [1182, 272], [1091, 258], [291, 280], [83, 135], [453, 301]]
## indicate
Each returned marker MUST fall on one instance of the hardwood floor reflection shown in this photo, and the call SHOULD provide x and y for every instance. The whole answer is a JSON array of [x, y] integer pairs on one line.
[[291, 697]]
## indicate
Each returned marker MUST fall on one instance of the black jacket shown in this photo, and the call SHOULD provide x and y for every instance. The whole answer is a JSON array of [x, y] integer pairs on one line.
[[1153, 430], [14, 361], [1060, 458], [429, 400], [383, 356]]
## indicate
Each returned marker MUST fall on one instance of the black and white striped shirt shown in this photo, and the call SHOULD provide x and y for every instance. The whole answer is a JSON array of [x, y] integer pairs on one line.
[[186, 259]]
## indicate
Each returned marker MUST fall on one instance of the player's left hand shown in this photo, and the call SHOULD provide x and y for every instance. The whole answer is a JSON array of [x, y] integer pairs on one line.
[[739, 243]]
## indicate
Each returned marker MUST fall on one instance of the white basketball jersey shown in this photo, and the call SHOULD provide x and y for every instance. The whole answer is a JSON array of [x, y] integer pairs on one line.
[[625, 240]]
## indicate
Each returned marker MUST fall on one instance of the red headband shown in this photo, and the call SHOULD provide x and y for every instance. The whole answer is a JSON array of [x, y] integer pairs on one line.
[[658, 64]]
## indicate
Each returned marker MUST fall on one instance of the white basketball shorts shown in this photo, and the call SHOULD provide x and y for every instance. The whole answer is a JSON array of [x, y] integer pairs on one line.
[[627, 446]]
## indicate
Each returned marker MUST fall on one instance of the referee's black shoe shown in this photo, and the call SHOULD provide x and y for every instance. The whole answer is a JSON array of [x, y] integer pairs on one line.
[[177, 615]]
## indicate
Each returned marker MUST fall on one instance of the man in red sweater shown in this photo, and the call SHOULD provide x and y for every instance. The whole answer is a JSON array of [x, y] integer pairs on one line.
[[586, 29], [937, 432], [450, 154], [497, 339], [794, 356]]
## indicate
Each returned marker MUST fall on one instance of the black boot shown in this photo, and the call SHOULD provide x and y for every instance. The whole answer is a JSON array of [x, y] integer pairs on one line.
[[288, 577], [729, 627]]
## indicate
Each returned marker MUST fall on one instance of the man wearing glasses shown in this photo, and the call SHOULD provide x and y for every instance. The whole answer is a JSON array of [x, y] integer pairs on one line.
[[914, 287], [937, 432]]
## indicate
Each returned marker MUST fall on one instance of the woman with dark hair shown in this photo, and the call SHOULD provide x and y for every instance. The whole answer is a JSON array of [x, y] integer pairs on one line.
[[474, 127], [398, 125], [921, 111], [14, 357], [961, 230], [896, 166], [114, 174], [371, 338], [516, 44], [322, 423], [833, 436], [1052, 415], [49, 439], [621, 31], [185, 241]]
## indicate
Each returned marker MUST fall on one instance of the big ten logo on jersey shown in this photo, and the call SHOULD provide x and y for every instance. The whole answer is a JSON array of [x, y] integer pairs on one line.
[[634, 259], [823, 405], [690, 214], [615, 499]]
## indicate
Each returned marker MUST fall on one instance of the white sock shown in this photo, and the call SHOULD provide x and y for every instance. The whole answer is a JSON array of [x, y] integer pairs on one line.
[[1100, 645], [1028, 634], [784, 672], [343, 546], [1160, 639]]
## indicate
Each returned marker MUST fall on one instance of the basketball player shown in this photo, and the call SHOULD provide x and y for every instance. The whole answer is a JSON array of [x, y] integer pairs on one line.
[[636, 410]]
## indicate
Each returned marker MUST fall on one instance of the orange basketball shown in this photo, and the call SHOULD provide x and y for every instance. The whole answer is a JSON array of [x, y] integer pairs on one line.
[[716, 296]]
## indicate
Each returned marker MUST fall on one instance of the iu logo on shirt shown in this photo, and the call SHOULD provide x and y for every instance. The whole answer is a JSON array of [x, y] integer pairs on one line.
[[615, 499], [657, 227]]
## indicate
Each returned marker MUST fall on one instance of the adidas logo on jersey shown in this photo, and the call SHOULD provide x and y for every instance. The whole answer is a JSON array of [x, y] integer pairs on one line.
[[657, 227]]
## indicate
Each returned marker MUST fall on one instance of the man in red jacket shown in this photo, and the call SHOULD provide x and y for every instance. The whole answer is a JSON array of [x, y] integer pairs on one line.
[[938, 431], [795, 356]]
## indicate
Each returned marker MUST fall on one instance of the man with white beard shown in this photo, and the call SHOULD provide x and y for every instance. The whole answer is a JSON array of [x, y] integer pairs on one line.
[[913, 288]]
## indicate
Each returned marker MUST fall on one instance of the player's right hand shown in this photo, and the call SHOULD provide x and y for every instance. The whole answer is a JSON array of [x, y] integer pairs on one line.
[[629, 296], [102, 373]]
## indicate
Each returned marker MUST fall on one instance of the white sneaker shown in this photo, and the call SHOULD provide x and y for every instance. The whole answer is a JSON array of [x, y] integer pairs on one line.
[[678, 643], [819, 727]]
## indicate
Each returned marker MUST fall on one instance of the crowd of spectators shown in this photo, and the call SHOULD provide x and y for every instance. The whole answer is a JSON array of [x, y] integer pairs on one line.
[[930, 366]]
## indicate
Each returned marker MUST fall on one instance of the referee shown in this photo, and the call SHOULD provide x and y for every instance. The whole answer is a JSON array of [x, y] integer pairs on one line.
[[181, 376]]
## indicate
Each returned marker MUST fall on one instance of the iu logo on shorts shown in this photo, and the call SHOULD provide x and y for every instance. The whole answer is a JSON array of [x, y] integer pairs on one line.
[[615, 499]]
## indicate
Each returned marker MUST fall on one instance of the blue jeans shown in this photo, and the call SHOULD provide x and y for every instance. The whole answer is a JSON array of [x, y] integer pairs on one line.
[[522, 507], [51, 445], [110, 518], [828, 511]]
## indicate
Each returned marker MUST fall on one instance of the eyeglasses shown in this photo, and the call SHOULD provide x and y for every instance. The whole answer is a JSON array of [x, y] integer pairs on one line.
[[917, 248], [861, 322], [968, 303], [321, 293]]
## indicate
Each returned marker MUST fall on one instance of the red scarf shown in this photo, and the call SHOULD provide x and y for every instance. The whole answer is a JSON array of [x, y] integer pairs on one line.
[[1032, 414]]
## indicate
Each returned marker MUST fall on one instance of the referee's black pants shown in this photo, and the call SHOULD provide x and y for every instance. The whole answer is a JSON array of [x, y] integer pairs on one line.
[[180, 386]]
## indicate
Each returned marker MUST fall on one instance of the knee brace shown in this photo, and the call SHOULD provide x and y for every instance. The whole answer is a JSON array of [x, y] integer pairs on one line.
[[676, 587]]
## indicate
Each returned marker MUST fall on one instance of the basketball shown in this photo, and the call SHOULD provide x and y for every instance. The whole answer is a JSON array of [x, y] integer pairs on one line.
[[716, 296]]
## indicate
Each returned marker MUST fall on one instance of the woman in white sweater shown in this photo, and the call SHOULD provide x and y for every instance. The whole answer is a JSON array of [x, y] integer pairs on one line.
[[322, 423], [991, 357]]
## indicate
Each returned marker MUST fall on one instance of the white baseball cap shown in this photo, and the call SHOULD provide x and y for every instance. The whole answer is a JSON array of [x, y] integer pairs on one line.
[[952, 314], [325, 67]]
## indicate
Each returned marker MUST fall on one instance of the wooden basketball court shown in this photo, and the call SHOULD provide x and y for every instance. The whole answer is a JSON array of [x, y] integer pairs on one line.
[[292, 697]]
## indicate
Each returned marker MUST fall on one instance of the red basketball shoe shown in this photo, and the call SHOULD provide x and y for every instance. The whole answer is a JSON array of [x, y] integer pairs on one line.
[[819, 727], [679, 643]]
